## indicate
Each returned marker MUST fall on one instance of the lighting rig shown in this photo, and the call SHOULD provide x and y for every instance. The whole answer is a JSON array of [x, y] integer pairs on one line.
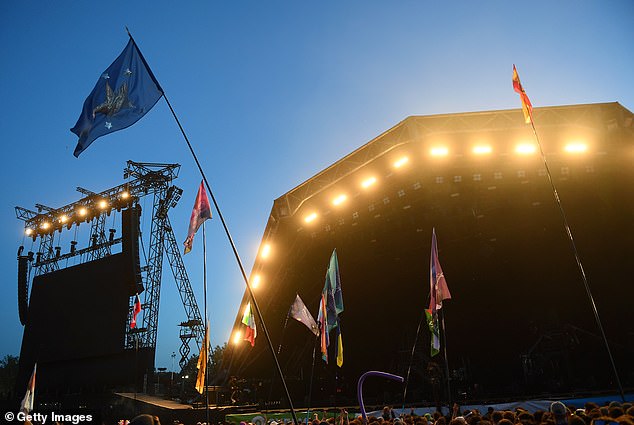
[[142, 179]]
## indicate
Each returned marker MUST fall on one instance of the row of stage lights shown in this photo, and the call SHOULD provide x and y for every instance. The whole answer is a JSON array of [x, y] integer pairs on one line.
[[524, 149], [82, 213], [256, 279]]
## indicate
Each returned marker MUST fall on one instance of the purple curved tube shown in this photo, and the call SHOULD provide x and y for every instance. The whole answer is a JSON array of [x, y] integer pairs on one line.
[[360, 388]]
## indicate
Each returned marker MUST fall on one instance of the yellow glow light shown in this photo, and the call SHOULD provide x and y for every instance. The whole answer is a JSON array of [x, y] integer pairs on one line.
[[576, 147], [339, 200], [439, 151], [237, 337], [525, 148], [266, 250], [45, 225], [401, 161], [482, 149], [28, 231], [368, 182], [255, 282], [63, 218], [103, 204], [125, 195], [310, 217], [82, 212]]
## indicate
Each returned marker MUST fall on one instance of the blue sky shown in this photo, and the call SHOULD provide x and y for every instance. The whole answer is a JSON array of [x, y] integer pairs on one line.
[[270, 93]]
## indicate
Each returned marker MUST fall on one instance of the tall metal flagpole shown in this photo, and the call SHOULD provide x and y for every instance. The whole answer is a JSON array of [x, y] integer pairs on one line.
[[578, 260], [234, 249], [207, 344]]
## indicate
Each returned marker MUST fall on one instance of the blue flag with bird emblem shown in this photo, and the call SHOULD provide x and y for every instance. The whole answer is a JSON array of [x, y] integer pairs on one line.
[[125, 92]]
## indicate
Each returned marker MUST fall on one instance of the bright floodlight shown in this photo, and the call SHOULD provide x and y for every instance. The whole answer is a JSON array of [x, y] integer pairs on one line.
[[266, 250], [401, 161], [28, 231], [45, 225], [255, 282], [576, 147], [125, 195], [368, 182], [339, 200], [482, 149], [63, 218], [237, 337], [103, 204], [82, 211], [525, 148], [310, 217], [439, 151]]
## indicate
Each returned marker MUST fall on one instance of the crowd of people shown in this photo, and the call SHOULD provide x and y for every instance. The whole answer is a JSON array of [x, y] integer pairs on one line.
[[614, 413]]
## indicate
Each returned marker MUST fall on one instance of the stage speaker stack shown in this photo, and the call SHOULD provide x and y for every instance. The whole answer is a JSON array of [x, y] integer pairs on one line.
[[130, 224]]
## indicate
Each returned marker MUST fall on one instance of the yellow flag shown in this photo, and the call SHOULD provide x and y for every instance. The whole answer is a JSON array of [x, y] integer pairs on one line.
[[202, 362], [339, 349]]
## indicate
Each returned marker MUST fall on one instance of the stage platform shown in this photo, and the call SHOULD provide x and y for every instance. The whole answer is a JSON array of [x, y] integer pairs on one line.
[[171, 410]]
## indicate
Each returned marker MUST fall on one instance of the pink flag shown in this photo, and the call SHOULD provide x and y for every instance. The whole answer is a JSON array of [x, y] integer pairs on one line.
[[200, 213], [438, 285]]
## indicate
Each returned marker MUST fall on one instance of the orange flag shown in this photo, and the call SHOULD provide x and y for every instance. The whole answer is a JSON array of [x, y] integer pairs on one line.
[[527, 108]]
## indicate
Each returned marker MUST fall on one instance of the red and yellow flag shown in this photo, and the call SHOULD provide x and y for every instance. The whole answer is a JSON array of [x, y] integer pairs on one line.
[[527, 108]]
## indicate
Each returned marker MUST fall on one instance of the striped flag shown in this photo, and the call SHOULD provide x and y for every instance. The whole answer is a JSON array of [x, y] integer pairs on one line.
[[527, 108], [249, 320], [29, 398], [330, 308], [323, 328], [136, 311], [200, 213]]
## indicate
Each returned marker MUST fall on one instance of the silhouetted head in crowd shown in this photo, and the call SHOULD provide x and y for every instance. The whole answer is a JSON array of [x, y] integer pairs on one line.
[[496, 417], [145, 420], [560, 412]]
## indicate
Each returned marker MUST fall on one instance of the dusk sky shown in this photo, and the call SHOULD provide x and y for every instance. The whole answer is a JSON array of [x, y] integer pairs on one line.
[[269, 93]]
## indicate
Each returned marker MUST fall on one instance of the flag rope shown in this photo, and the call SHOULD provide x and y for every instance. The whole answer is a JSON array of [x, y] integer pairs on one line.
[[411, 360], [233, 248], [578, 261]]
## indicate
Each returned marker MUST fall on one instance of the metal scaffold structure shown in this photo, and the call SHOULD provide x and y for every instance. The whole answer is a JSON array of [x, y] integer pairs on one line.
[[143, 179]]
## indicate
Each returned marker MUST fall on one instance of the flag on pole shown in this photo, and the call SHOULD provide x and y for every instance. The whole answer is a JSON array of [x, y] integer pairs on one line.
[[323, 328], [249, 320], [438, 292], [29, 398], [124, 93], [339, 347], [438, 285], [527, 108], [330, 309], [203, 359], [200, 213], [432, 323], [135, 311], [299, 312]]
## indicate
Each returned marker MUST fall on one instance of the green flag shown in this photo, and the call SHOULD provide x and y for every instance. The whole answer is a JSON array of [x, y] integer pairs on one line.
[[432, 323]]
